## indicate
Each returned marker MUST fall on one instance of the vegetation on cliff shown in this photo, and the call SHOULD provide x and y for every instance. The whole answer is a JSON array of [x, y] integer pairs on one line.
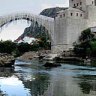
[[36, 31]]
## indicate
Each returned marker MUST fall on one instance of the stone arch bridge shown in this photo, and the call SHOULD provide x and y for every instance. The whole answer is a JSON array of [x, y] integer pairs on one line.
[[47, 22]]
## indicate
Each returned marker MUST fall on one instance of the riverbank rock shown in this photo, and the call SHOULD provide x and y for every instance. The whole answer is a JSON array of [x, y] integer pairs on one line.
[[49, 64], [68, 59], [28, 56], [6, 60]]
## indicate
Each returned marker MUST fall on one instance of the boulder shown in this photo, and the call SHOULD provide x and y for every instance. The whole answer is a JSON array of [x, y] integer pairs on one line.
[[6, 60], [48, 64]]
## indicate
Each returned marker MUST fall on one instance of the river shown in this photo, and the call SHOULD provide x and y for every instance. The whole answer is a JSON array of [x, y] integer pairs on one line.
[[35, 80]]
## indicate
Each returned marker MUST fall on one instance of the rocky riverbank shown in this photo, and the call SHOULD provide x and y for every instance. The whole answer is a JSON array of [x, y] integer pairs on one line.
[[46, 55], [29, 56], [6, 60]]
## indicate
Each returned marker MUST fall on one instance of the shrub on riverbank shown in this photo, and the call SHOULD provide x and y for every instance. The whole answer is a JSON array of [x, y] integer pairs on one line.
[[86, 45], [7, 46], [19, 49]]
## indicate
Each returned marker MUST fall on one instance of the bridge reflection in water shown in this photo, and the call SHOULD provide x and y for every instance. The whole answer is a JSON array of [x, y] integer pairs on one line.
[[67, 80]]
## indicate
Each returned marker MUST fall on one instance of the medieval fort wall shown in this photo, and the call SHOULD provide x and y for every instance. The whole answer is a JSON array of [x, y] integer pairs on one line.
[[69, 23]]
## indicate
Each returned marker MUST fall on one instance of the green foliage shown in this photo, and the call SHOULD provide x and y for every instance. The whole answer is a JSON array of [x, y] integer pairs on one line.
[[7, 46], [39, 32], [23, 47], [93, 48], [86, 35], [80, 50], [34, 47], [87, 44], [45, 43], [18, 49]]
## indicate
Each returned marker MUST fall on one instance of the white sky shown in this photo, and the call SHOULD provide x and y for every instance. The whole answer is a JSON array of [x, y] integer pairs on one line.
[[32, 6]]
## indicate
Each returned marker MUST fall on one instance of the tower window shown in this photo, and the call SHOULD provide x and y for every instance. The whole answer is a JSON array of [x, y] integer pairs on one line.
[[71, 14], [92, 2], [80, 15], [80, 3], [74, 5], [77, 4], [76, 14]]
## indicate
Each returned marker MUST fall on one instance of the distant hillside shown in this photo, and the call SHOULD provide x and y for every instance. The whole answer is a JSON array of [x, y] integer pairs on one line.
[[37, 31], [51, 12]]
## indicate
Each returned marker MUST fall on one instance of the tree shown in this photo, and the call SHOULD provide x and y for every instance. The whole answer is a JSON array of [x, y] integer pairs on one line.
[[93, 48], [86, 44], [23, 47], [7, 46], [86, 35]]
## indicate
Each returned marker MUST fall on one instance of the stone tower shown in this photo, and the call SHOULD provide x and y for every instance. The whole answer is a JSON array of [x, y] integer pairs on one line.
[[81, 4], [70, 22]]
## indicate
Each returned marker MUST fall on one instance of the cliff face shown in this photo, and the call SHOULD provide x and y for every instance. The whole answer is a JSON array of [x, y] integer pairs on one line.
[[34, 31], [52, 12], [37, 31]]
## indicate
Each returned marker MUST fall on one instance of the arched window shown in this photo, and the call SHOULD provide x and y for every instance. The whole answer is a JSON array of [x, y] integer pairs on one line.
[[92, 2], [76, 14], [80, 15], [80, 3], [71, 14], [74, 5]]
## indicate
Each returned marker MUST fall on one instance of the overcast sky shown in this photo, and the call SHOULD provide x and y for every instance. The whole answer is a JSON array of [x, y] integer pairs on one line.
[[32, 6]]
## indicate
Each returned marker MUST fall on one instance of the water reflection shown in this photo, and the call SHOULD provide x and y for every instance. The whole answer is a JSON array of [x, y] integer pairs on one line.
[[39, 85], [10, 85], [88, 84], [6, 72], [67, 80], [86, 87], [35, 80]]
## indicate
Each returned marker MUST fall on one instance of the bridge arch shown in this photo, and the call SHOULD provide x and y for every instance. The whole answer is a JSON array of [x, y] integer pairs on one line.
[[47, 22]]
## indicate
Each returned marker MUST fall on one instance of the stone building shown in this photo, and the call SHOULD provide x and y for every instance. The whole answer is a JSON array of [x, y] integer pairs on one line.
[[70, 22]]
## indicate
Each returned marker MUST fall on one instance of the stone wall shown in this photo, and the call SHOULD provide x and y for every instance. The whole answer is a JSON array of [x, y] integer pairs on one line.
[[71, 22], [91, 13], [68, 28]]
